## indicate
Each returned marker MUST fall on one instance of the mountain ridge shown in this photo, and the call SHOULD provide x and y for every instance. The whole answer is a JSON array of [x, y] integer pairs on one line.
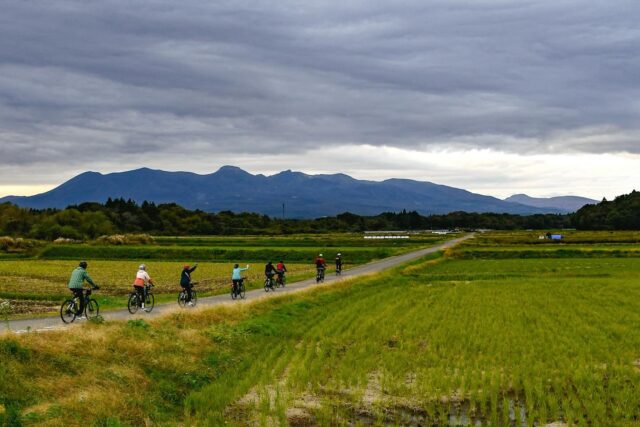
[[304, 196], [567, 203]]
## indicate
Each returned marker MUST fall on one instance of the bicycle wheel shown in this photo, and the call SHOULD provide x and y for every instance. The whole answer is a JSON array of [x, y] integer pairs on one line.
[[149, 303], [92, 309], [194, 297], [68, 311], [284, 281], [233, 292], [242, 290], [133, 305], [182, 298], [266, 285]]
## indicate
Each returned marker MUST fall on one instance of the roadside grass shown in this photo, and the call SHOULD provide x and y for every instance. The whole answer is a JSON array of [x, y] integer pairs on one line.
[[436, 342]]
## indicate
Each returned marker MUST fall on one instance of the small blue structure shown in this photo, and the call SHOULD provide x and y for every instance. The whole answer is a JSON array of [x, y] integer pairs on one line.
[[556, 237]]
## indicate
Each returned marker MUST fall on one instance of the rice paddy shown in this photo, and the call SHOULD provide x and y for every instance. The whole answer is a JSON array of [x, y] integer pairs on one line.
[[451, 340]]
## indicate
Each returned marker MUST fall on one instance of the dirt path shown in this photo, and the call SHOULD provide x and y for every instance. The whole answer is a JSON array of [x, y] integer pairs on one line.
[[54, 322]]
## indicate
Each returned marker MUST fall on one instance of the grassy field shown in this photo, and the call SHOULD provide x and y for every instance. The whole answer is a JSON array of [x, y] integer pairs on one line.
[[230, 254], [443, 341], [335, 241], [569, 237]]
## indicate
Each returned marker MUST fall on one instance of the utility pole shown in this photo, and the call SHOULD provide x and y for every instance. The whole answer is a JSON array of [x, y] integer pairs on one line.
[[283, 211]]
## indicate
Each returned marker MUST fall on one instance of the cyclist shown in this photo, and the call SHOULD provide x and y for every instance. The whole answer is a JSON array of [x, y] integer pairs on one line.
[[338, 263], [142, 279], [281, 269], [270, 271], [236, 276], [185, 280], [78, 276], [321, 264]]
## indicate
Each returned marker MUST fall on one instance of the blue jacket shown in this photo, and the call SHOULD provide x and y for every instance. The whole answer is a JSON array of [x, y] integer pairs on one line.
[[236, 273]]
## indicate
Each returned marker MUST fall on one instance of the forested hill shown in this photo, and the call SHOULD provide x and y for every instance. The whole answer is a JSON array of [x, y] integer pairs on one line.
[[623, 213]]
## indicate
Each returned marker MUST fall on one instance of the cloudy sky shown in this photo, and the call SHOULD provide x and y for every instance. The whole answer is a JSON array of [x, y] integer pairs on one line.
[[495, 96]]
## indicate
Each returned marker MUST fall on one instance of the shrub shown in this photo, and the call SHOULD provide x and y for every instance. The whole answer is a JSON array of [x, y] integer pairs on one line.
[[65, 240], [10, 244]]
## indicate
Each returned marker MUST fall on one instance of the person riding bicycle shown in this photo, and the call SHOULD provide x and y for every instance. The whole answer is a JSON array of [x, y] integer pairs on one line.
[[270, 271], [185, 280], [236, 276], [76, 281], [280, 270], [142, 279], [321, 264], [339, 262]]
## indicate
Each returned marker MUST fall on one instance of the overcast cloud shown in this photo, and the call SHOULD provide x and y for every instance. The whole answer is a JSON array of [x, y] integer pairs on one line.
[[193, 85]]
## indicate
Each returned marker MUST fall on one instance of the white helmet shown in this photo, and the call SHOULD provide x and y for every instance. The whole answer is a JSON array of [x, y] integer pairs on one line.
[[339, 254], [320, 255], [142, 267]]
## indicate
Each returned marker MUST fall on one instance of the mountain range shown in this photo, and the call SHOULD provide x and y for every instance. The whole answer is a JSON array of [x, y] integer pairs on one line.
[[565, 203], [303, 196]]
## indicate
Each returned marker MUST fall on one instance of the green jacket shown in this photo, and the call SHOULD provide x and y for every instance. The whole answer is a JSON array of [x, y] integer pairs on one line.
[[78, 276]]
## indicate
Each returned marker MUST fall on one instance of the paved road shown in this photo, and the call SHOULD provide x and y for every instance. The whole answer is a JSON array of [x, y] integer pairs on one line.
[[54, 322]]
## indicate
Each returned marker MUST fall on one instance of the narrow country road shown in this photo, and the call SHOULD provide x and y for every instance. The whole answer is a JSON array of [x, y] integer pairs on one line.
[[54, 322]]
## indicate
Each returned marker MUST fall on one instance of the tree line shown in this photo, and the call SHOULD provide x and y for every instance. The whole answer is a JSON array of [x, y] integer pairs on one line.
[[91, 220], [623, 213]]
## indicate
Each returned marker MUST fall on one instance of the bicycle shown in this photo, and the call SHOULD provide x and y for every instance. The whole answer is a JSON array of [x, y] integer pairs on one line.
[[269, 284], [281, 280], [320, 275], [239, 290], [133, 305], [69, 308], [183, 296], [338, 270]]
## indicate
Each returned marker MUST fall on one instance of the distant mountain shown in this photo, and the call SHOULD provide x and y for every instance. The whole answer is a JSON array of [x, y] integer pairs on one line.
[[564, 203], [304, 196]]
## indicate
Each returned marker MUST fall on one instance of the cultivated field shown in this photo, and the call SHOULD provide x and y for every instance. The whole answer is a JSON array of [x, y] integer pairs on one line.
[[38, 285], [447, 340]]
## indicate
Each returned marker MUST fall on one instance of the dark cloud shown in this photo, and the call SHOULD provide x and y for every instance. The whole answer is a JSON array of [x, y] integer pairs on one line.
[[80, 80]]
